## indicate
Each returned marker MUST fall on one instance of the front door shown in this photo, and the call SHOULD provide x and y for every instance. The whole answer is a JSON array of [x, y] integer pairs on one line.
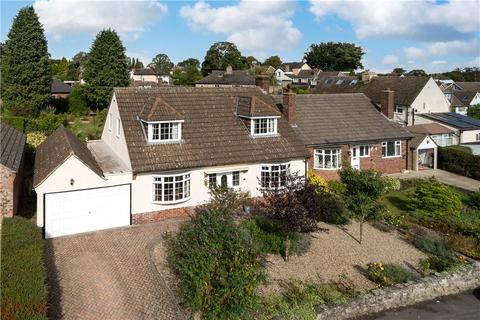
[[355, 151]]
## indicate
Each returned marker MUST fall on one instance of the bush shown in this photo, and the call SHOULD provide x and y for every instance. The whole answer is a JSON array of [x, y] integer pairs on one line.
[[77, 103], [391, 184], [440, 256], [34, 139], [466, 245], [388, 274], [317, 180], [473, 200], [17, 123], [336, 187], [459, 160], [218, 265], [23, 273], [60, 105], [435, 199], [227, 199], [46, 122]]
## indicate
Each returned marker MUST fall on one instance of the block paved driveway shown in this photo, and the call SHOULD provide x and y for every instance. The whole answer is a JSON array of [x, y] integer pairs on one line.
[[110, 275]]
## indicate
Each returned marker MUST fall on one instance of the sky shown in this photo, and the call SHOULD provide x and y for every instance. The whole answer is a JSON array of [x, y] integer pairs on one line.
[[435, 36]]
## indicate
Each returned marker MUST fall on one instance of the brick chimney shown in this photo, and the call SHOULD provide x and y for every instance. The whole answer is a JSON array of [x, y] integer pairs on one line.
[[229, 70], [386, 103], [290, 107], [263, 82]]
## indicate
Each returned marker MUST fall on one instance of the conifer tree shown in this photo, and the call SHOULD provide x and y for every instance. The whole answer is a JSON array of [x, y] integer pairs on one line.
[[26, 72]]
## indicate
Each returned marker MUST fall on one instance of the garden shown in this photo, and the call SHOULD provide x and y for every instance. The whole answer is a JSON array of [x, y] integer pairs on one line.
[[312, 243]]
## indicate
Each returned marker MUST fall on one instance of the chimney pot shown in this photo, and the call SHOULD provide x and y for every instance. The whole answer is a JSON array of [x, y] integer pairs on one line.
[[387, 102], [290, 107]]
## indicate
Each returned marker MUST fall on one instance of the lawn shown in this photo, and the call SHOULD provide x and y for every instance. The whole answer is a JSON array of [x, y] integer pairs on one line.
[[87, 127]]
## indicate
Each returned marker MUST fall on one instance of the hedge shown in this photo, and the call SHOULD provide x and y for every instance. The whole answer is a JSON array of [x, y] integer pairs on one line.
[[23, 273], [460, 161], [14, 122]]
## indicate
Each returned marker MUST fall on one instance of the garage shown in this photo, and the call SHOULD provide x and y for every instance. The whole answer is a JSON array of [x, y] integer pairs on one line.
[[86, 210]]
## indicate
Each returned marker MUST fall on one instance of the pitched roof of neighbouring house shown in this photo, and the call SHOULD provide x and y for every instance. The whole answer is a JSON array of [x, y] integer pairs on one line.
[[236, 77], [12, 146], [309, 74], [429, 128], [324, 119], [144, 72], [293, 65], [454, 119], [58, 86], [56, 149], [469, 86], [406, 88], [212, 134], [465, 97]]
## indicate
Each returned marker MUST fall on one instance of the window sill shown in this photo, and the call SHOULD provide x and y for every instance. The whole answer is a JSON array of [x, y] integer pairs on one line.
[[327, 169], [171, 202], [392, 157]]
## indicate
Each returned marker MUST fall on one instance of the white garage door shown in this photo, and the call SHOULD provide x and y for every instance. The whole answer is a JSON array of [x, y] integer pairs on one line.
[[86, 210]]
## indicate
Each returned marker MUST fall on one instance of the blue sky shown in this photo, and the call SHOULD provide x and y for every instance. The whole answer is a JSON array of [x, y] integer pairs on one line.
[[432, 35]]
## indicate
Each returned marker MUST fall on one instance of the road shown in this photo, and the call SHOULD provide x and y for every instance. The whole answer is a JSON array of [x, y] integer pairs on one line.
[[460, 307]]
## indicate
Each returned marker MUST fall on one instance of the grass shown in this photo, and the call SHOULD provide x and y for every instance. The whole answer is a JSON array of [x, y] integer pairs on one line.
[[87, 126], [23, 273]]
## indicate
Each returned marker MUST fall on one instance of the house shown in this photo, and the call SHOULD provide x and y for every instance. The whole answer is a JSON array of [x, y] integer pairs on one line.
[[467, 129], [283, 78], [295, 67], [441, 135], [412, 95], [160, 149], [467, 95], [59, 89], [305, 78], [338, 128], [144, 75], [11, 169], [227, 78], [423, 152]]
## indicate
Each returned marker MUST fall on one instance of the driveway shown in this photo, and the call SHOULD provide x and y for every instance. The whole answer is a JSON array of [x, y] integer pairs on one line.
[[110, 275], [442, 176]]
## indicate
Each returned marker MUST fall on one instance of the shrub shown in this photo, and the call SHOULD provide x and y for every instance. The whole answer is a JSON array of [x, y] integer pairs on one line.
[[218, 265], [60, 105], [391, 184], [410, 183], [76, 101], [17, 123], [23, 273], [227, 199], [317, 180], [34, 139], [473, 200], [388, 274], [47, 122], [336, 187], [459, 160], [440, 256], [435, 199], [466, 245]]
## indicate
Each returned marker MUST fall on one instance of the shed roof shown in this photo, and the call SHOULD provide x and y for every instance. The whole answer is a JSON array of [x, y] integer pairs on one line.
[[11, 147], [58, 86]]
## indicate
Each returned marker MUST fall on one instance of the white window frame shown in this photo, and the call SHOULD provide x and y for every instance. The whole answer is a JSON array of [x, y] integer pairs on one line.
[[118, 127], [397, 108], [364, 148], [267, 169], [150, 131], [477, 136], [217, 176], [272, 128], [110, 121], [397, 143], [159, 180], [327, 152]]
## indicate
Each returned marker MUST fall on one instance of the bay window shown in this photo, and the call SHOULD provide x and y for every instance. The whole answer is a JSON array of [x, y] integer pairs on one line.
[[391, 149], [274, 175], [171, 188], [327, 159]]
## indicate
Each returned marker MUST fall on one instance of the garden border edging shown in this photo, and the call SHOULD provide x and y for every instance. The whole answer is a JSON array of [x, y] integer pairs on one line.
[[402, 295]]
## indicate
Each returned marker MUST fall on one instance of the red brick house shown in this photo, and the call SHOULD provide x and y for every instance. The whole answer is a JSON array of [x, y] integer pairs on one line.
[[340, 128], [11, 169]]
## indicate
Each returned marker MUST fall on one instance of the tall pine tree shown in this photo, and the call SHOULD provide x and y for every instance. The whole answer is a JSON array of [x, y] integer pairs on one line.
[[26, 72], [106, 68]]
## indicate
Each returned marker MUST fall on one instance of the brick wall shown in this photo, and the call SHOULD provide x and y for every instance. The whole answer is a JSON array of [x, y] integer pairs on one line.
[[155, 216], [9, 191], [374, 161]]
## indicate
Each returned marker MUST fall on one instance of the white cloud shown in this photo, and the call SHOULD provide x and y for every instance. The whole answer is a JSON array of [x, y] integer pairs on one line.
[[439, 62], [252, 26], [424, 19], [129, 17], [442, 49], [390, 59]]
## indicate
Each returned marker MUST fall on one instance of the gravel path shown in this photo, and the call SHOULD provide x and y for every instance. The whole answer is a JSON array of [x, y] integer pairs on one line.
[[338, 252]]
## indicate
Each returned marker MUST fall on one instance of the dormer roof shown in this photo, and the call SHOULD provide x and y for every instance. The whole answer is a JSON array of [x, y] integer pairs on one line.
[[156, 109], [252, 106]]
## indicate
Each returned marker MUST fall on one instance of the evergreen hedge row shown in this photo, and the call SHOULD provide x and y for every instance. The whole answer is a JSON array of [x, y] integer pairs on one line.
[[459, 160]]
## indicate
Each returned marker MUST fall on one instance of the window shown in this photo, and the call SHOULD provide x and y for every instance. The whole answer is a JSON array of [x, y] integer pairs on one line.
[[398, 109], [110, 122], [354, 82], [264, 126], [391, 149], [236, 178], [212, 179], [171, 188], [364, 151], [478, 136], [328, 159], [274, 175], [339, 82], [328, 81], [164, 131], [118, 127], [443, 140]]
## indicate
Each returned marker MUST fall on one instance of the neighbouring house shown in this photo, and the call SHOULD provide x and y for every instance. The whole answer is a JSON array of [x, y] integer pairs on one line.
[[59, 89], [423, 152], [441, 135], [283, 78], [305, 78], [160, 150], [338, 128], [227, 78], [368, 75], [467, 129], [295, 67], [11, 169], [143, 75], [461, 95]]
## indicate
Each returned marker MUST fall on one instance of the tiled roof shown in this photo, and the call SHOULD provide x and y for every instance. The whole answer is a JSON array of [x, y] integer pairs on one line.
[[11, 147], [305, 74], [417, 140], [156, 109], [56, 149], [251, 106], [236, 77], [464, 97], [406, 88], [469, 86], [324, 119], [144, 72], [212, 134], [453, 119], [58, 86], [429, 128]]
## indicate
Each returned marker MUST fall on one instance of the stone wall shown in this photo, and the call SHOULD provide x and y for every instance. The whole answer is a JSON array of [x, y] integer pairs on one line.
[[401, 295]]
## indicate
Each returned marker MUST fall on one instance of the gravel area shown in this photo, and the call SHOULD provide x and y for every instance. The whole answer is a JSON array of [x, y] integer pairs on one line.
[[338, 251]]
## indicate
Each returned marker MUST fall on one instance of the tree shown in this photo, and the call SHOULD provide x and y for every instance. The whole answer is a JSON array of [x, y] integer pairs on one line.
[[417, 73], [399, 71], [77, 66], [60, 69], [187, 72], [220, 55], [106, 68], [474, 111], [335, 56], [161, 64], [26, 72], [273, 61], [249, 61]]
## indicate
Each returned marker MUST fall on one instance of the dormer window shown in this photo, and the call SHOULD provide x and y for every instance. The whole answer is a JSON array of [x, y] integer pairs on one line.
[[164, 131], [263, 126]]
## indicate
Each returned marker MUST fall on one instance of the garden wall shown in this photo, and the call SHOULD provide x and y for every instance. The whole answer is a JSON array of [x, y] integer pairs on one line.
[[401, 295]]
